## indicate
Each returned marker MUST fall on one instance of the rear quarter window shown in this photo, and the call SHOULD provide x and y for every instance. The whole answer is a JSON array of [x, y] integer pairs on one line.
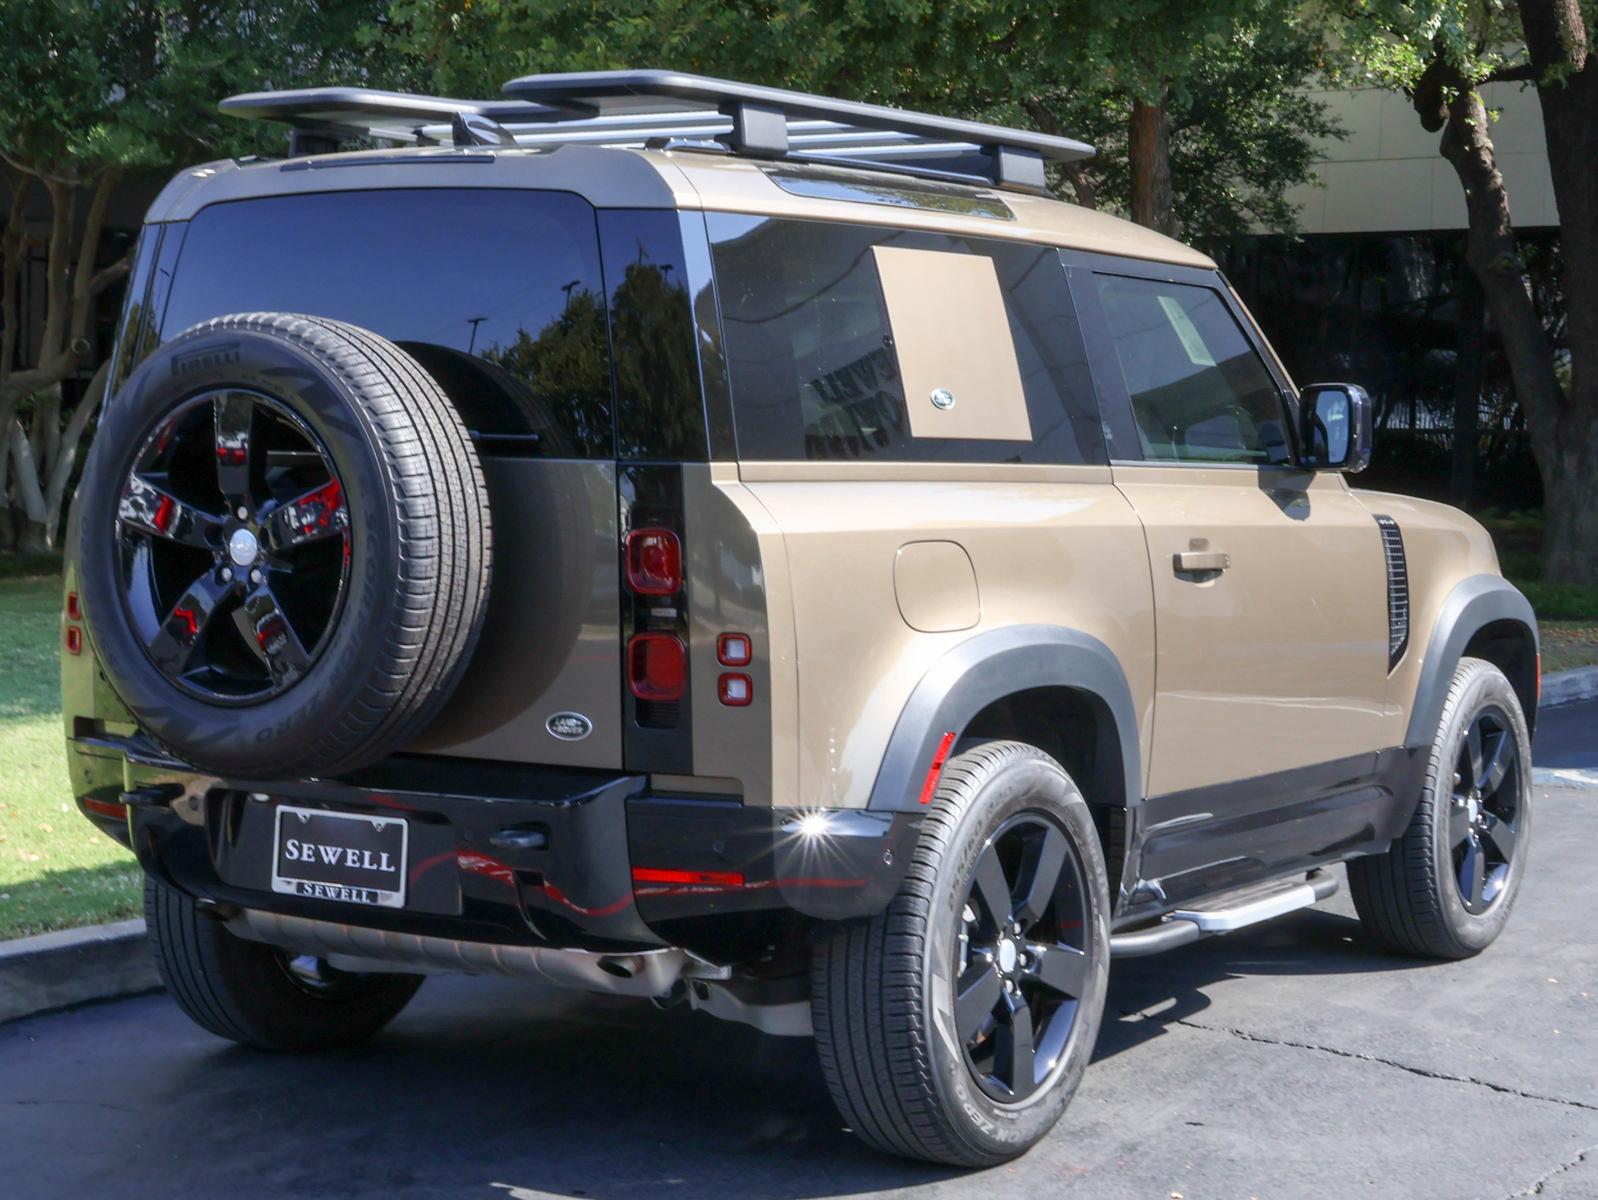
[[498, 293], [820, 354]]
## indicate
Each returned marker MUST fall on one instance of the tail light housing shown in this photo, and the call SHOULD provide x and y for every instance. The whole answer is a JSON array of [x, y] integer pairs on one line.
[[657, 666], [654, 562]]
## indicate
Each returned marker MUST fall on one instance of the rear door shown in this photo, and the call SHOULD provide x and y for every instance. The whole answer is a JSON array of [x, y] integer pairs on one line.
[[1269, 585], [512, 322]]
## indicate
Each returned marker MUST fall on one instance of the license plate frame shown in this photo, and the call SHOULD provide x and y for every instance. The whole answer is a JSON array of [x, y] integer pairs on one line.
[[347, 870]]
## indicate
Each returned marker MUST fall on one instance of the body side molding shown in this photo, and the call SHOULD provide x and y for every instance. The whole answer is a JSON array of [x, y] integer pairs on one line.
[[989, 667], [1472, 605]]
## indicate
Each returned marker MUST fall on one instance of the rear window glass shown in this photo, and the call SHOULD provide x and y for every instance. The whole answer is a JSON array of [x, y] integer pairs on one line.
[[819, 354], [498, 293]]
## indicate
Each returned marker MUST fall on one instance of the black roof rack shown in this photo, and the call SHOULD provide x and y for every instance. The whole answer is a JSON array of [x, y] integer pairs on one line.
[[667, 108]]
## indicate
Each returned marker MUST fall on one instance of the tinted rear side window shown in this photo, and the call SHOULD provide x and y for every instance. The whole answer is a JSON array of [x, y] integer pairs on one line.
[[660, 414], [815, 361], [498, 293]]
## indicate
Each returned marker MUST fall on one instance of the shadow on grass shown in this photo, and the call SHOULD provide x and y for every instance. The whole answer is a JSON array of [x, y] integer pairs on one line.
[[62, 899]]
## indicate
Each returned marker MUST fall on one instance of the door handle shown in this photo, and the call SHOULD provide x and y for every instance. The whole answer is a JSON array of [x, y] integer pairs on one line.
[[1195, 562]]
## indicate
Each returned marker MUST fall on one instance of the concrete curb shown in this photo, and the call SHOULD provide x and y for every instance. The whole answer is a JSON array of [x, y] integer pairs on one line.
[[1564, 777], [53, 970], [1569, 687]]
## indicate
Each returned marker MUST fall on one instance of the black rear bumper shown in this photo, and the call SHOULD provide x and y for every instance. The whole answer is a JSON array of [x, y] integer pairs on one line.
[[544, 856]]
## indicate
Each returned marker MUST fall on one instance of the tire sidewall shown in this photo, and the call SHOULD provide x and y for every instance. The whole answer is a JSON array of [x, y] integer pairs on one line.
[[244, 737], [1484, 686], [1034, 782]]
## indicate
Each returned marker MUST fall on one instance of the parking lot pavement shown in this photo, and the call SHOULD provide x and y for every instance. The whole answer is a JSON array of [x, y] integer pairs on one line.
[[1567, 737], [1294, 1060]]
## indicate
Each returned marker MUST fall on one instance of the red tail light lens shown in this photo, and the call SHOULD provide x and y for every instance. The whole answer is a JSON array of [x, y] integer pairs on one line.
[[657, 666], [735, 691], [74, 609], [654, 562], [74, 640]]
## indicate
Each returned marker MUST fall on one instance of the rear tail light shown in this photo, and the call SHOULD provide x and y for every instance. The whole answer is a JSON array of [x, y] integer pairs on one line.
[[74, 608], [654, 562], [735, 691], [657, 666], [74, 640]]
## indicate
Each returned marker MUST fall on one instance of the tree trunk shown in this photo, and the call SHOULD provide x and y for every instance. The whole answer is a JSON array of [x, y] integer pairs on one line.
[[1467, 390], [1149, 148], [1446, 100], [1561, 51]]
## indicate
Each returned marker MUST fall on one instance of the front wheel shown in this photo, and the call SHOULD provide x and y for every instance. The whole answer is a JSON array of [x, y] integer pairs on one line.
[[1446, 887], [258, 995], [955, 1026]]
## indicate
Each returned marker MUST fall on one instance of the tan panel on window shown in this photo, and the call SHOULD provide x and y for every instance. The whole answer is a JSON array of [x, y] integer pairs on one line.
[[952, 336]]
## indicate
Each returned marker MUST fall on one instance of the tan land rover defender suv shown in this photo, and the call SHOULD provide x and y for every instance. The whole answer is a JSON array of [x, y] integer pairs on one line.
[[687, 540]]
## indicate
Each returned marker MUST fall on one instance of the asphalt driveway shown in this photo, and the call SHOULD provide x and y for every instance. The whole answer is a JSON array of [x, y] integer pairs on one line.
[[1293, 1061]]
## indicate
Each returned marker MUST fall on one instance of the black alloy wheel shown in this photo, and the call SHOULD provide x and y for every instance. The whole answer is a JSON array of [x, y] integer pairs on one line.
[[234, 545], [1446, 887], [1021, 957], [283, 546], [955, 1026], [1484, 809]]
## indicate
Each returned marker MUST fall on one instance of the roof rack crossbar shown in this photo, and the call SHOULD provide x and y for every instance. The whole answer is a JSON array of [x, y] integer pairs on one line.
[[636, 108]]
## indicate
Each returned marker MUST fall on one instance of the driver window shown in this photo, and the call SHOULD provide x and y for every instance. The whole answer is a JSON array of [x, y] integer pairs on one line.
[[1199, 390]]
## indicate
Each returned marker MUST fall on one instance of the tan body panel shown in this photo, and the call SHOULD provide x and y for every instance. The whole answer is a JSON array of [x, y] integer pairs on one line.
[[1280, 660], [726, 184], [1048, 545], [1442, 546]]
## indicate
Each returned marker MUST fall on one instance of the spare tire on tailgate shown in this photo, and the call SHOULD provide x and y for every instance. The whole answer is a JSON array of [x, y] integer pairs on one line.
[[285, 546]]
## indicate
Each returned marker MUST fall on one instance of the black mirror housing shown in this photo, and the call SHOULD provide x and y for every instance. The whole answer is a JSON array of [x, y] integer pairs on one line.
[[1335, 427]]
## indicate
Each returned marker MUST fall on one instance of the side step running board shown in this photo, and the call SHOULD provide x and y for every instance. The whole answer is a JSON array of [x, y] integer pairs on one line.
[[1235, 911]]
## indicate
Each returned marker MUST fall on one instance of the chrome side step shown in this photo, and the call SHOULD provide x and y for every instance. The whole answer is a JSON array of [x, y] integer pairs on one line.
[[1235, 911]]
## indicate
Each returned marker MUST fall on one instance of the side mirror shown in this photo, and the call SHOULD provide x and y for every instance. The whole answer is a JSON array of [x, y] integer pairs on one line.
[[1335, 426]]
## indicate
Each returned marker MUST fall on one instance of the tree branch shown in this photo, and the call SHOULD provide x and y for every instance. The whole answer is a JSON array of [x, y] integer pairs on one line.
[[83, 289], [1519, 73]]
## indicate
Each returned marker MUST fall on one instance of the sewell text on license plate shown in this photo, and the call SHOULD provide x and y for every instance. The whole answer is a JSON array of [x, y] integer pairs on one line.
[[351, 857]]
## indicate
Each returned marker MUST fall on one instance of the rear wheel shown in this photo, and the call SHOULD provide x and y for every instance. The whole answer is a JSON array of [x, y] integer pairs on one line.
[[1446, 888], [259, 995], [955, 1026]]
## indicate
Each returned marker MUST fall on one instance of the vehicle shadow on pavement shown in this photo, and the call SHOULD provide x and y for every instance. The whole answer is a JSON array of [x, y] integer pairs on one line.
[[1147, 995], [498, 1089]]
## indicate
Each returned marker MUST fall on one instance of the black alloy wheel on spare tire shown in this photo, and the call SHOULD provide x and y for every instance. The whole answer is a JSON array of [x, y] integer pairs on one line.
[[285, 546]]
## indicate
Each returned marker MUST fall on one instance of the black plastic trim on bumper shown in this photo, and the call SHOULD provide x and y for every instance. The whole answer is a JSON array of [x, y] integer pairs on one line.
[[532, 856]]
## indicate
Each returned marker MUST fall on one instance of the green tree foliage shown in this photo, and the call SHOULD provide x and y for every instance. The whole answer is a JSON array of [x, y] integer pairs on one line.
[[1441, 53], [90, 89], [1225, 72]]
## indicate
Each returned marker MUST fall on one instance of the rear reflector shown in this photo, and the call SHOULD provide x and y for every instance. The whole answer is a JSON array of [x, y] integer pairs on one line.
[[711, 878], [104, 808], [654, 562], [657, 666], [733, 650], [939, 757], [74, 609], [74, 639]]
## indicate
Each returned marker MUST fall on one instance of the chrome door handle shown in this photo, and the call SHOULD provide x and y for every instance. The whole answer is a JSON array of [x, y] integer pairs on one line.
[[1195, 562]]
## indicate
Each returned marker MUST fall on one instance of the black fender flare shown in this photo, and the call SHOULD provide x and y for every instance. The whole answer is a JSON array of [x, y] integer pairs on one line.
[[1472, 605], [989, 667]]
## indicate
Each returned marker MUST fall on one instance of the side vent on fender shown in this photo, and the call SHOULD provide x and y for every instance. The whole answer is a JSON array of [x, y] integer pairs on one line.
[[1397, 590]]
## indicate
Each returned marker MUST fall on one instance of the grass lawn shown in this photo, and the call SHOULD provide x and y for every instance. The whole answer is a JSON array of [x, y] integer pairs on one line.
[[56, 870]]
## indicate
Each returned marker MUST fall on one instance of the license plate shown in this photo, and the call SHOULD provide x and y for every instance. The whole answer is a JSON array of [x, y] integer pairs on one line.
[[324, 855]]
